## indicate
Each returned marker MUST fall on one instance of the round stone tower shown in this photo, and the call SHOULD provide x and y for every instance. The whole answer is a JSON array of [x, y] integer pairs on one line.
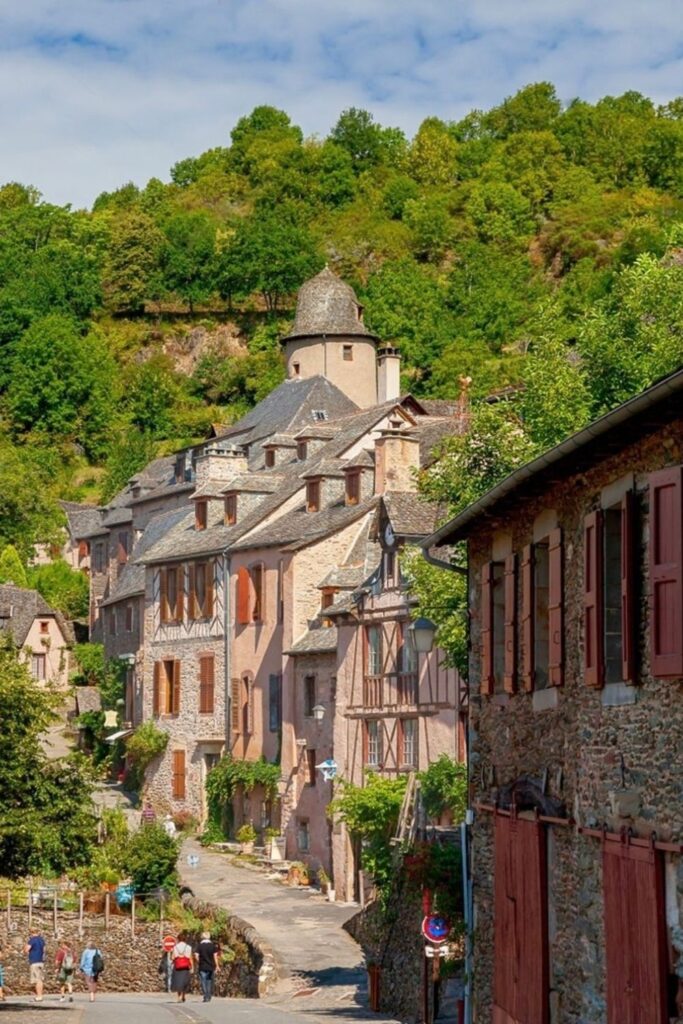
[[329, 338]]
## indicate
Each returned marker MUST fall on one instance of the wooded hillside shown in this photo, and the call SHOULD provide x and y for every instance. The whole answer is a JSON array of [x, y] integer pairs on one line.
[[529, 244]]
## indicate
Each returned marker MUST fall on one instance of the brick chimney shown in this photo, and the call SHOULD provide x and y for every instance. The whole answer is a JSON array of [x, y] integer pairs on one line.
[[388, 374], [397, 458], [220, 464]]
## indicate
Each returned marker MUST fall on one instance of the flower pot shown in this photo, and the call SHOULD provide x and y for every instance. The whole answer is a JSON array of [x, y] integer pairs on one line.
[[331, 894], [246, 847]]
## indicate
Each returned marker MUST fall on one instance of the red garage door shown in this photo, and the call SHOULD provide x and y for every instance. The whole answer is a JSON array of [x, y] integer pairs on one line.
[[521, 923], [635, 934]]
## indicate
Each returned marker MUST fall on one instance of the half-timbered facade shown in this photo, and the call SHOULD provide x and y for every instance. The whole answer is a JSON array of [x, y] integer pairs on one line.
[[576, 728]]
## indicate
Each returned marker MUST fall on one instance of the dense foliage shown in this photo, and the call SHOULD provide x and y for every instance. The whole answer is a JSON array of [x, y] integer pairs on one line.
[[142, 747], [529, 244]]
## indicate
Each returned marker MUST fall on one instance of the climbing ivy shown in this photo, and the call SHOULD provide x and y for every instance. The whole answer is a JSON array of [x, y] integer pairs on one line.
[[224, 779], [444, 788]]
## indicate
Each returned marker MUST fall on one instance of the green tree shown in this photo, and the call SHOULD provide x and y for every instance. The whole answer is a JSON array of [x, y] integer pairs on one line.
[[150, 860], [29, 512], [264, 122], [62, 587], [433, 156], [12, 568], [132, 265], [366, 142], [187, 258]]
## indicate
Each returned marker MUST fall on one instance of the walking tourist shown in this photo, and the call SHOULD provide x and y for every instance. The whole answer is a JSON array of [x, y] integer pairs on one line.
[[92, 965], [169, 827], [206, 956], [35, 947], [66, 965], [149, 815], [182, 968]]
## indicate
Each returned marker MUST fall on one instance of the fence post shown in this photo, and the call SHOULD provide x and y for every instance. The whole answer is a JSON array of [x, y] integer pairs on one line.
[[9, 911], [107, 897], [132, 917], [80, 915], [54, 914], [30, 907], [161, 918]]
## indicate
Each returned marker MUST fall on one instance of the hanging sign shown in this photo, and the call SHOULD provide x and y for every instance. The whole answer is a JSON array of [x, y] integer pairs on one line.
[[436, 928]]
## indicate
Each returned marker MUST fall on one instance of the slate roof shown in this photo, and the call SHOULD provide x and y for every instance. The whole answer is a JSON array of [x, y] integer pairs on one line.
[[210, 489], [409, 514], [299, 528], [346, 577], [430, 430], [131, 579], [254, 483], [81, 519], [117, 516], [19, 608], [327, 305], [280, 441], [319, 640]]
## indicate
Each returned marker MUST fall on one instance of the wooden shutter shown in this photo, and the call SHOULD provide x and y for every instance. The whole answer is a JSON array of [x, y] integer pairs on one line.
[[487, 677], [235, 706], [629, 638], [593, 604], [555, 609], [209, 593], [206, 684], [180, 593], [666, 573], [156, 692], [178, 774], [510, 625], [635, 934], [528, 617], [249, 687], [243, 596], [192, 612], [174, 687], [165, 611]]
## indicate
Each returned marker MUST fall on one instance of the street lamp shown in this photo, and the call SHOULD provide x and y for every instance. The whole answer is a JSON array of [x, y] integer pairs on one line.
[[318, 712], [423, 631]]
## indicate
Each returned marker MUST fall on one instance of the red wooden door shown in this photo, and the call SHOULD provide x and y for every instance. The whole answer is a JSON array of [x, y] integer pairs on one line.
[[521, 972], [635, 934]]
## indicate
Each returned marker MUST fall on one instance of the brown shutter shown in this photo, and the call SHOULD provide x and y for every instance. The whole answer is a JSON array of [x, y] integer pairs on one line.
[[180, 593], [249, 683], [206, 684], [666, 573], [156, 692], [510, 625], [555, 609], [593, 606], [243, 596], [163, 596], [209, 599], [178, 774], [487, 678], [174, 682], [235, 708], [528, 617], [629, 638], [192, 592]]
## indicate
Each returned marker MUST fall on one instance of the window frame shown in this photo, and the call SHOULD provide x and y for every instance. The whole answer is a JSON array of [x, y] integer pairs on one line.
[[230, 509], [408, 725], [39, 658], [313, 495], [373, 743], [353, 487], [201, 513], [310, 686]]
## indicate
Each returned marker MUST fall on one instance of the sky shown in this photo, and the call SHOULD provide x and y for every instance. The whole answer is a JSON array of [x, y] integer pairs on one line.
[[100, 92]]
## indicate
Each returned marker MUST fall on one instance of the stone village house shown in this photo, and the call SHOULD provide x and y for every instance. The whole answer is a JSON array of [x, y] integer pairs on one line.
[[41, 634], [576, 727]]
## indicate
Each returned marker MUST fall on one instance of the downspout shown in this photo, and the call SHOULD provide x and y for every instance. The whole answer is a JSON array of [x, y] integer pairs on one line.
[[440, 564]]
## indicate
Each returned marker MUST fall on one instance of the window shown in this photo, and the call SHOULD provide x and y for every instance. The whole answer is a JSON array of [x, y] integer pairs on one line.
[[112, 619], [166, 696], [270, 458], [122, 549], [247, 700], [347, 353], [309, 696], [171, 593], [230, 509], [327, 597], [373, 743], [201, 589], [200, 514], [542, 613], [408, 661], [179, 472], [390, 568], [312, 495], [129, 618], [319, 415], [38, 666], [373, 643], [178, 780], [493, 627], [310, 767], [301, 451], [275, 702], [353, 487], [206, 684], [257, 573], [303, 835], [280, 591], [296, 369], [83, 550], [98, 558], [44, 626], [408, 739]]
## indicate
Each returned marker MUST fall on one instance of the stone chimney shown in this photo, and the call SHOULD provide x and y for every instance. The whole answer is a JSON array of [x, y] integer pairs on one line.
[[397, 458], [220, 464], [388, 374]]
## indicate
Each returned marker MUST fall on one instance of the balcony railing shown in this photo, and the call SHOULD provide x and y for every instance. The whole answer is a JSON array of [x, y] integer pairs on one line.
[[395, 689]]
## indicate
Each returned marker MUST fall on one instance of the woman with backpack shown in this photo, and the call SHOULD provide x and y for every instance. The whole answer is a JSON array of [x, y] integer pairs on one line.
[[66, 965], [182, 968], [92, 965]]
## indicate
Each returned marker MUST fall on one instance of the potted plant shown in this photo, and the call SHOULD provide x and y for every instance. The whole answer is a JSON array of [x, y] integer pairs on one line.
[[298, 873], [246, 837]]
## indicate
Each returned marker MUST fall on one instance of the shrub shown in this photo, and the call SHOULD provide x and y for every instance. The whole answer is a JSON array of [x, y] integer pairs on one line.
[[444, 788], [246, 834], [151, 859], [146, 743]]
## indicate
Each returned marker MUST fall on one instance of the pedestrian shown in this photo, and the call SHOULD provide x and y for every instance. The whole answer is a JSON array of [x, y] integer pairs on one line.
[[35, 947], [149, 816], [169, 827], [181, 956], [92, 965], [66, 965], [2, 975], [206, 956]]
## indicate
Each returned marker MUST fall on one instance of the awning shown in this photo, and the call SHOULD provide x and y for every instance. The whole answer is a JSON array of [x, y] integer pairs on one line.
[[120, 735]]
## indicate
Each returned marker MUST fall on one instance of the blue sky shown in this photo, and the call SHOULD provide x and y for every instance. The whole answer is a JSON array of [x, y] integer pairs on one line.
[[100, 92]]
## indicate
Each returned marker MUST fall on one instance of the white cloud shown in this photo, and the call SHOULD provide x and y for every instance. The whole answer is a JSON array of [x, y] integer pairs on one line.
[[104, 91]]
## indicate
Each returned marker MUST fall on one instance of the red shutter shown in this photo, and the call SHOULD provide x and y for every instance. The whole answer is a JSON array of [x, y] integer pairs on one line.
[[635, 934], [208, 600], [629, 639], [156, 702], [174, 684], [487, 677], [178, 774], [206, 684], [555, 609], [235, 709], [666, 574], [528, 617], [243, 596], [593, 607], [510, 624]]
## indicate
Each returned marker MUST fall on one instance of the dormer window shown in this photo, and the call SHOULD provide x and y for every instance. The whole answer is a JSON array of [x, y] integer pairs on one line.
[[296, 369], [44, 627], [200, 514], [319, 415], [347, 353], [270, 458], [327, 598], [353, 488], [179, 471], [301, 451], [122, 549], [230, 509], [313, 496]]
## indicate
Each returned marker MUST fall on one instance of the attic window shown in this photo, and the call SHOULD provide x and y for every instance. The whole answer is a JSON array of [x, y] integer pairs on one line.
[[44, 626], [319, 415], [200, 513], [179, 471], [270, 458], [347, 353], [230, 509], [327, 598], [301, 451], [296, 369], [313, 496], [353, 487]]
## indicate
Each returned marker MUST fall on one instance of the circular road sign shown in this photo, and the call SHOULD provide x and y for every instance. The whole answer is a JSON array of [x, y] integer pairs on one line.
[[436, 928], [169, 943]]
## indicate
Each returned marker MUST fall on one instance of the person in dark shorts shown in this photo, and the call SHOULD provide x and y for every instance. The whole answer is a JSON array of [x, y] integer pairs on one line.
[[206, 955]]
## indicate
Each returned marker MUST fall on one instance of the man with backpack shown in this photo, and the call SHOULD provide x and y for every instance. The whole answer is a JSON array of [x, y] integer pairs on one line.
[[92, 965], [66, 965]]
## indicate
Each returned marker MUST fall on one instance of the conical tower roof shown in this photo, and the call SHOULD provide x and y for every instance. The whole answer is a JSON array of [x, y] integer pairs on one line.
[[327, 305]]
